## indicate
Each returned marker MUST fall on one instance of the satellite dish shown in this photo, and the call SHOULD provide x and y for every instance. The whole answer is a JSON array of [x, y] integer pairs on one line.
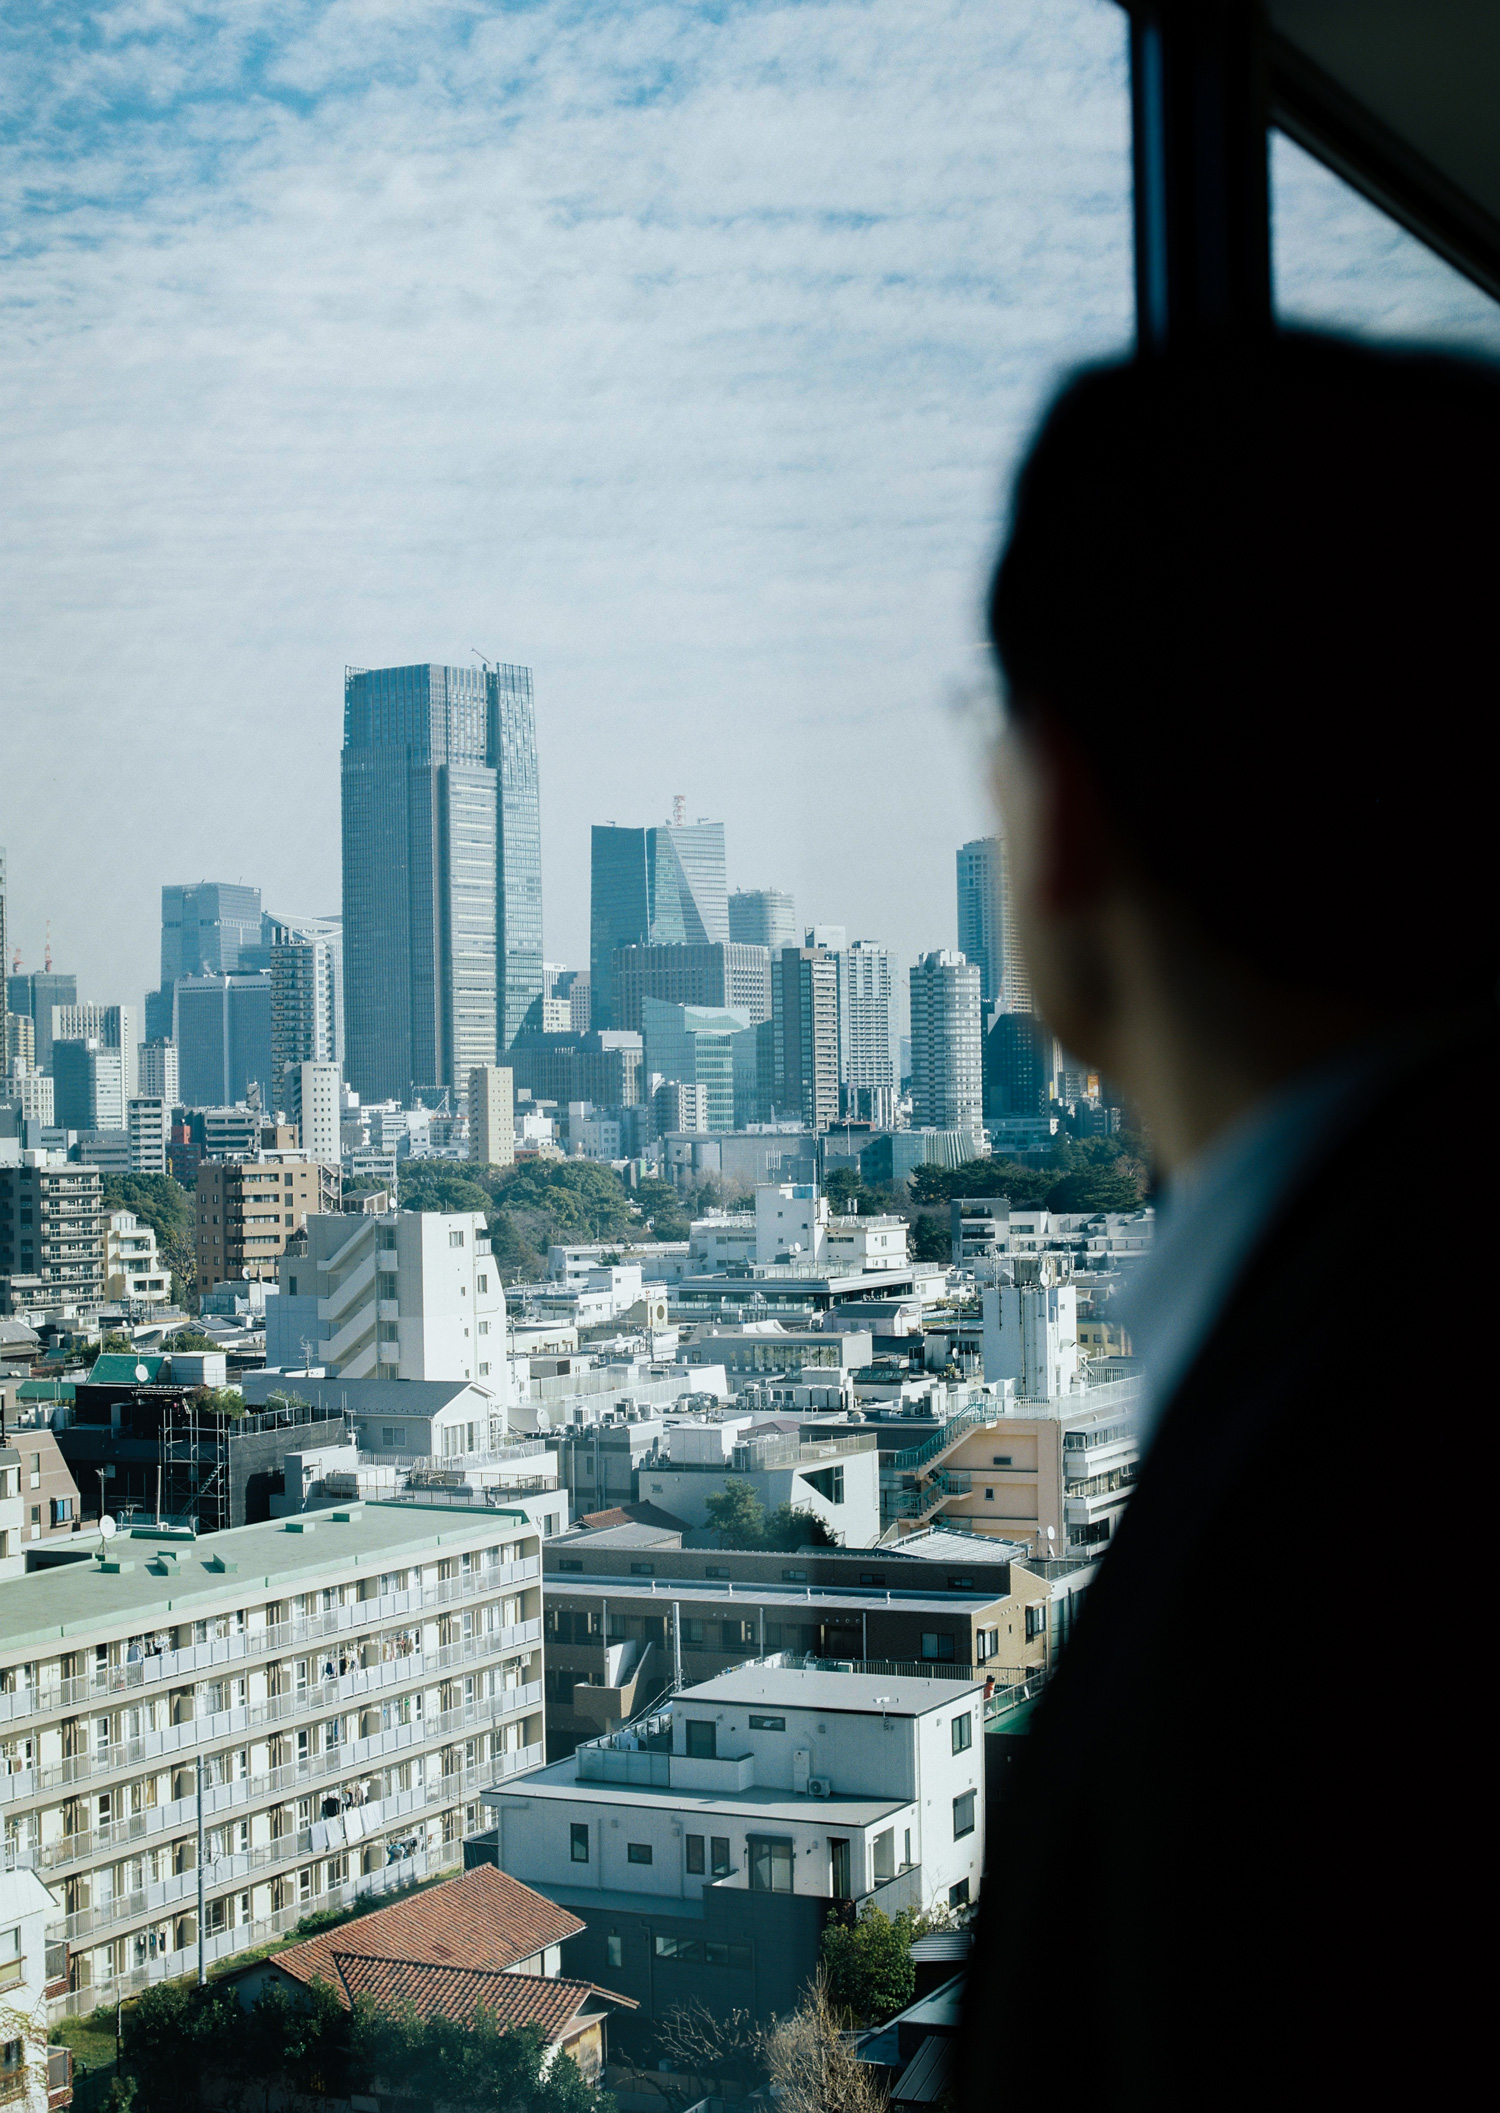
[[107, 1527], [1052, 1533], [142, 1374]]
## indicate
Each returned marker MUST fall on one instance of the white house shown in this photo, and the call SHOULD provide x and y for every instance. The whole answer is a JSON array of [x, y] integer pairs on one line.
[[30, 2070], [792, 1224], [837, 1479], [133, 1271]]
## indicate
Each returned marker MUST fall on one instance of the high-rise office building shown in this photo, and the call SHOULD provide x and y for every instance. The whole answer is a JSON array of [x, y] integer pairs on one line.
[[947, 1051], [442, 873], [712, 1046], [111, 1026], [805, 1035], [88, 1085], [158, 1073], [34, 996], [208, 928], [492, 1115], [4, 925], [222, 1029], [1020, 1062], [866, 1062], [716, 975], [987, 925], [652, 887], [763, 917]]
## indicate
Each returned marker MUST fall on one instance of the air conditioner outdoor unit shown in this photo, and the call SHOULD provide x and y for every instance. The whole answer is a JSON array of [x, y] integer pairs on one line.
[[819, 1787]]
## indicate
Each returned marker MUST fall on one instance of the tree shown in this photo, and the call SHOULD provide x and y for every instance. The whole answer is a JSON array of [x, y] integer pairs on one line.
[[440, 1185], [161, 1202], [665, 1217], [117, 1343], [167, 2034], [1095, 1189], [189, 1339], [737, 1515], [867, 1967], [712, 2043], [787, 1528], [930, 1238], [218, 1401], [813, 2067]]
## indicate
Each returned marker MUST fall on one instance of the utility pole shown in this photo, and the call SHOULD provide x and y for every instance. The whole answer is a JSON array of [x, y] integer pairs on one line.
[[676, 1645], [202, 1956]]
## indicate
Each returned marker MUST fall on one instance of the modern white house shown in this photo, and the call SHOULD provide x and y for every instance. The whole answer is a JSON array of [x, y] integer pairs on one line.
[[836, 1479], [792, 1223], [33, 2076], [134, 1273], [703, 1845], [405, 1295]]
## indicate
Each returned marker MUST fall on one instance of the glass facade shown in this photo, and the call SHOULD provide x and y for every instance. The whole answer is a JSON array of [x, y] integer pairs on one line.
[[702, 1045], [652, 887], [222, 1028], [763, 917], [442, 951]]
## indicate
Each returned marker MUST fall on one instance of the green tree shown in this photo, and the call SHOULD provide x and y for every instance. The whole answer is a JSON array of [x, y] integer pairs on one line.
[[665, 1218], [189, 1339], [160, 1201], [441, 1185], [117, 1343], [218, 1401], [737, 1515], [167, 2036], [1095, 1189], [930, 1238], [787, 1528], [868, 1966]]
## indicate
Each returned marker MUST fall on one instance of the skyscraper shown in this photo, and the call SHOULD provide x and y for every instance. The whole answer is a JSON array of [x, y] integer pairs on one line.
[[715, 975], [157, 1071], [987, 925], [442, 873], [805, 1031], [111, 1026], [304, 1005], [222, 1028], [947, 1051], [652, 887], [208, 928], [865, 1059], [88, 1085], [712, 1046], [763, 917], [492, 1115], [33, 996]]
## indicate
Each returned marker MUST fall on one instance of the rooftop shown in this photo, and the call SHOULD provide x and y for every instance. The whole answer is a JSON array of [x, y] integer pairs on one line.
[[150, 1574], [911, 1597], [859, 1694], [767, 1806], [363, 1397], [482, 1923]]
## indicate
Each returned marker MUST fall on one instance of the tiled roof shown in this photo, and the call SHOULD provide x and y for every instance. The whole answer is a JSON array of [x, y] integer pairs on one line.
[[484, 1923], [459, 1994]]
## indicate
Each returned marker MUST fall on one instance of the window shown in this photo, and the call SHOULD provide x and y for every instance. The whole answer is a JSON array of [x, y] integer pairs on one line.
[[885, 1855], [455, 1239], [719, 1848], [872, 1577], [963, 1815], [937, 1645], [643, 1569], [579, 1842], [569, 1562], [715, 1570], [794, 1577], [614, 1949], [963, 1733], [986, 1644], [768, 1724], [10, 1955], [695, 1862], [481, 1283], [958, 1896], [702, 1740], [692, 1632], [638, 1852], [771, 1864], [1036, 1621], [1002, 1460], [989, 1496], [693, 1951]]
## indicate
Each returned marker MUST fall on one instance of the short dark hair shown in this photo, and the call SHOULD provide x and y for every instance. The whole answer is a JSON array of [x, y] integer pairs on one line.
[[1259, 589]]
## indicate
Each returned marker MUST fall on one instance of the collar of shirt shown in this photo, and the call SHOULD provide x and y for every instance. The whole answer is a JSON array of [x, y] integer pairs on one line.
[[1216, 1209]]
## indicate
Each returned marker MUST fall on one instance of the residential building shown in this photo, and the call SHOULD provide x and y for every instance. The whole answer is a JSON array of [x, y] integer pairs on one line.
[[1031, 1330], [407, 1295], [663, 886], [836, 1479], [706, 1845], [159, 1072], [33, 996], [716, 975], [763, 917], [681, 1105], [979, 1227], [482, 1942], [866, 1063], [148, 1125], [108, 1150], [50, 1213], [792, 1223], [222, 1028], [442, 873], [304, 1007], [492, 1115], [19, 1042], [134, 1273], [51, 1507], [29, 1090], [247, 1210], [604, 1068], [805, 1031], [947, 1052], [12, 1516], [35, 2076], [412, 1421], [88, 1084], [312, 1094], [346, 1715]]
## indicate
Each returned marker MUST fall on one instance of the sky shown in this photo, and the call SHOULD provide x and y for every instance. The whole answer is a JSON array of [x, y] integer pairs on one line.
[[680, 352]]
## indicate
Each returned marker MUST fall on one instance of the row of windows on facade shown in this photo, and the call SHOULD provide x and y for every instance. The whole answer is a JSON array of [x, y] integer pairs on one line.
[[769, 1860]]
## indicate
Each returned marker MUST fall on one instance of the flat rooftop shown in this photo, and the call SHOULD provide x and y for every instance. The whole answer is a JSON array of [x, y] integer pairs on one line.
[[857, 1694], [859, 1598], [771, 1807], [279, 1556]]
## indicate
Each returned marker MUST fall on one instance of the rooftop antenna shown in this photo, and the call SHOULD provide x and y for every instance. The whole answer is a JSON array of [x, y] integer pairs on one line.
[[480, 658], [679, 809], [47, 958]]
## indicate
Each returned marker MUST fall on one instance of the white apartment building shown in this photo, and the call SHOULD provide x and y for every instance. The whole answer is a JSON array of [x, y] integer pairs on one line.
[[33, 2076], [158, 1071], [148, 1126], [406, 1295], [133, 1271], [947, 1044], [29, 1090], [12, 1514], [492, 1115], [793, 1224], [347, 1683], [772, 1779], [313, 1104]]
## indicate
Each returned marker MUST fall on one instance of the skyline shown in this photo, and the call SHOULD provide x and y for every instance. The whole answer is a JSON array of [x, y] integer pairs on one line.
[[683, 360]]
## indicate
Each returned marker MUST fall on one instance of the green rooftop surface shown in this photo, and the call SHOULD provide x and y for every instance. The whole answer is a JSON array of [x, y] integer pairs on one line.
[[117, 1368], [45, 1390], [145, 1579]]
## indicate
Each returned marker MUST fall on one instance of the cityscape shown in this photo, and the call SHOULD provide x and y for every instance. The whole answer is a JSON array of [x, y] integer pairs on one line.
[[687, 1378]]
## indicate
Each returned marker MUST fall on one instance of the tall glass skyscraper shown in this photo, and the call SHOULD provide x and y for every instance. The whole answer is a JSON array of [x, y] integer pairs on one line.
[[652, 887], [987, 925], [442, 873]]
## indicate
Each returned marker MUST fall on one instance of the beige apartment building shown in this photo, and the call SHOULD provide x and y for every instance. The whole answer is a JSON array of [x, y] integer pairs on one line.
[[249, 1208], [326, 1696], [1054, 1475]]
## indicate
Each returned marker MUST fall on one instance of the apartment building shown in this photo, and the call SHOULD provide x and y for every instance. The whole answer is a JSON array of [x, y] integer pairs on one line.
[[625, 1621], [148, 1128], [51, 1246], [134, 1274], [705, 1846], [249, 1208], [405, 1295], [329, 1694], [34, 2077]]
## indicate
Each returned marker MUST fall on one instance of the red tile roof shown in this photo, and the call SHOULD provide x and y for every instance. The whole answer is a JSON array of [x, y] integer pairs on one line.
[[455, 1993], [635, 1515], [484, 1922]]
